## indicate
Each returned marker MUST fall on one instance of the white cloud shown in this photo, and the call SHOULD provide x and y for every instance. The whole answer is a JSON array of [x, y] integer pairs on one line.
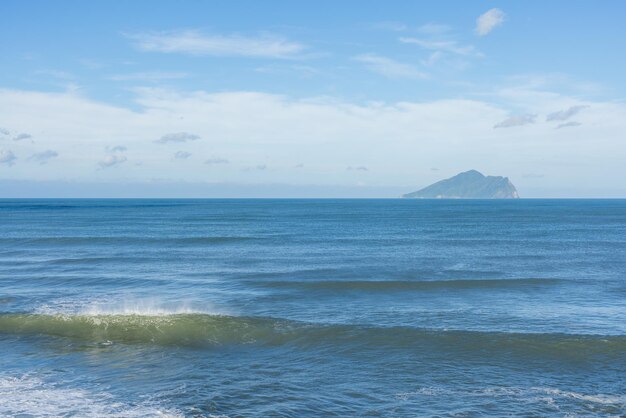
[[177, 137], [112, 160], [196, 43], [488, 21], [443, 45], [401, 139], [516, 120], [389, 67], [565, 114], [7, 157], [4, 131], [43, 157]]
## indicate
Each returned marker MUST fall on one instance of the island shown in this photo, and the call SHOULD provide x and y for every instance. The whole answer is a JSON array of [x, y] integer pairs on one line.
[[468, 185]]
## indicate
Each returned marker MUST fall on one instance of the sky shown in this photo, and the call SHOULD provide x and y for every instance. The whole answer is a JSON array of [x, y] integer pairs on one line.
[[310, 99]]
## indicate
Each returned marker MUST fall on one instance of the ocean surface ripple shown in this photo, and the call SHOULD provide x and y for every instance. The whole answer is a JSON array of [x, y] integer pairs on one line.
[[199, 308]]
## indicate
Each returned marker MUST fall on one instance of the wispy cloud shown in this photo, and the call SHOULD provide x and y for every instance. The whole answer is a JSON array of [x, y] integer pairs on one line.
[[304, 71], [516, 120], [565, 114], [43, 157], [62, 75], [389, 67], [91, 64], [116, 148], [151, 76], [112, 160], [443, 45], [216, 160], [434, 29], [177, 137], [197, 43], [571, 124], [7, 157], [358, 168], [181, 155], [489, 20], [22, 136], [4, 131]]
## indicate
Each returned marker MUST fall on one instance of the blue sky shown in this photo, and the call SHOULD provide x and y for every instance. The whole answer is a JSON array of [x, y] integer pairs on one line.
[[357, 98]]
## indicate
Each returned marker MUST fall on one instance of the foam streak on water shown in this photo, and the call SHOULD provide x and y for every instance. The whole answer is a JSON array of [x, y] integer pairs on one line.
[[29, 395]]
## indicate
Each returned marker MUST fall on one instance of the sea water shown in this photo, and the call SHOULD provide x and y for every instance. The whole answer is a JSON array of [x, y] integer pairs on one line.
[[312, 308]]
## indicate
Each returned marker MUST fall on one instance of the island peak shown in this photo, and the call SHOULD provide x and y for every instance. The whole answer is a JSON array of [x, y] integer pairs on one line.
[[470, 184]]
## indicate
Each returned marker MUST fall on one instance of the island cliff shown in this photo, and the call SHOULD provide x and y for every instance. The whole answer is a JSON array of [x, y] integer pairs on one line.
[[468, 185]]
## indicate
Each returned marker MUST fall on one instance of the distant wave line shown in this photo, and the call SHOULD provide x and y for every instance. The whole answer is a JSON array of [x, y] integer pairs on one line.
[[391, 285]]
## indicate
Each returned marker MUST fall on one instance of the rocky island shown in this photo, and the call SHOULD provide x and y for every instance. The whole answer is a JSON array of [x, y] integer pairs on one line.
[[468, 185]]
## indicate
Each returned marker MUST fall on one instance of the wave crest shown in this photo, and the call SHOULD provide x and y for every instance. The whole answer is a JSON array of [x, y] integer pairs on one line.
[[199, 329]]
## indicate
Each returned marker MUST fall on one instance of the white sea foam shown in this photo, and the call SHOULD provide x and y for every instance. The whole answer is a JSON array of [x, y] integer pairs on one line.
[[114, 305], [548, 395], [599, 398], [28, 395]]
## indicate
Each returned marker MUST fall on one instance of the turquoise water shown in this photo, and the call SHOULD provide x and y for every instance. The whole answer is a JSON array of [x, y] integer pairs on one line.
[[312, 308]]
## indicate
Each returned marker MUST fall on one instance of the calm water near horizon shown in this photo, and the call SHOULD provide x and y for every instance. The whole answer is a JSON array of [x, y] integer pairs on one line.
[[329, 307]]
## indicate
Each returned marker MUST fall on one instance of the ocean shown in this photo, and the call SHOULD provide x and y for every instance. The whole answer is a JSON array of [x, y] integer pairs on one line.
[[297, 308]]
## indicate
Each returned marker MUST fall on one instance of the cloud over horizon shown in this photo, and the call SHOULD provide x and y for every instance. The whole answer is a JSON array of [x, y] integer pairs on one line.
[[565, 114], [44, 156], [7, 157], [177, 137], [216, 160], [181, 155], [402, 139], [516, 120], [571, 124], [22, 136], [112, 160]]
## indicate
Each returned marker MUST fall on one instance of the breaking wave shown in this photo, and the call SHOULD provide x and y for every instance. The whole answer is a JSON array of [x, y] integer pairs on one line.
[[201, 329]]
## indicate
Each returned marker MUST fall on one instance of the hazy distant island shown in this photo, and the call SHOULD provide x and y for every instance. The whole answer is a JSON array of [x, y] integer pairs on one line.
[[468, 185]]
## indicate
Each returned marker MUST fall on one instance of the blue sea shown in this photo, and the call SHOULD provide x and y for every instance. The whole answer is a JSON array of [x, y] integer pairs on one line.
[[309, 308]]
